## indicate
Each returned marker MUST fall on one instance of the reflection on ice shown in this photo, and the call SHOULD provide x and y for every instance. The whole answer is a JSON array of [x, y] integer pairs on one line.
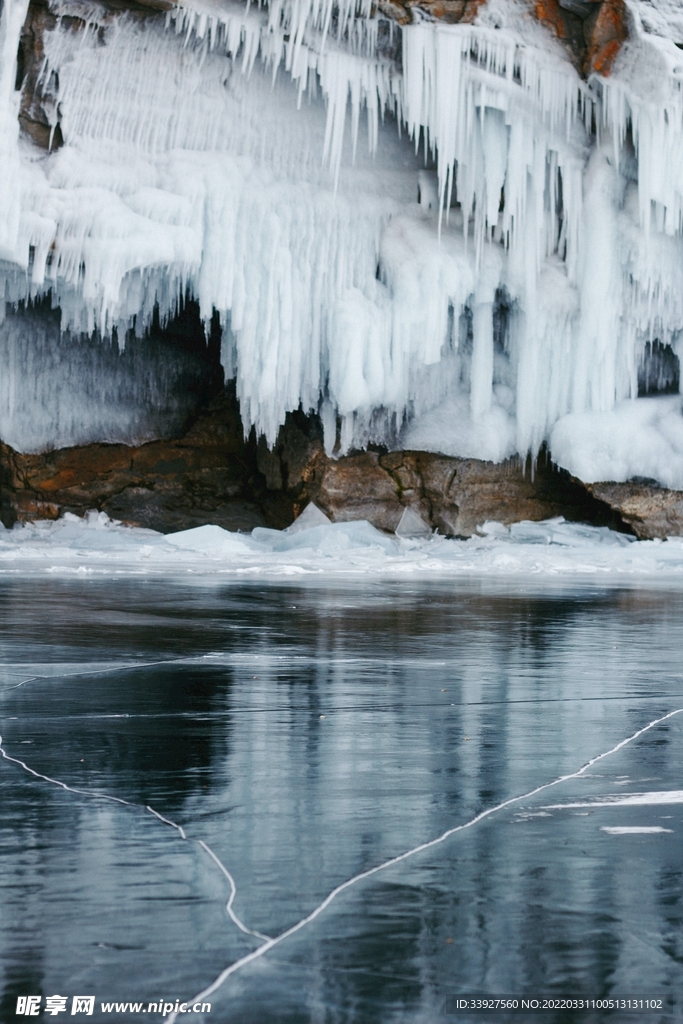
[[308, 734], [673, 796], [400, 858], [631, 830]]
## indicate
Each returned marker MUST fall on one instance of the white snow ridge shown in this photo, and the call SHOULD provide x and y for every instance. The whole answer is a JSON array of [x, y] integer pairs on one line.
[[495, 289]]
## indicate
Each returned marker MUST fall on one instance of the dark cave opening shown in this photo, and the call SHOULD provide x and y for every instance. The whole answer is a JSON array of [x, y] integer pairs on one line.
[[659, 371]]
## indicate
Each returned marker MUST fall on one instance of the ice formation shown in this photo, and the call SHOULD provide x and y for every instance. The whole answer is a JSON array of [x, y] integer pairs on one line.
[[551, 550], [486, 270]]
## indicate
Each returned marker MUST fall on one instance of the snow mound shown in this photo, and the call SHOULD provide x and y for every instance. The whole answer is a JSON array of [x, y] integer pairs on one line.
[[640, 438], [208, 540]]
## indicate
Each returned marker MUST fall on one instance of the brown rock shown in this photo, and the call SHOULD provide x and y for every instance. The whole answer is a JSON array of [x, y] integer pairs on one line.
[[212, 475], [36, 104], [454, 496], [605, 31], [552, 15], [450, 11], [357, 487], [651, 511], [209, 475], [594, 30]]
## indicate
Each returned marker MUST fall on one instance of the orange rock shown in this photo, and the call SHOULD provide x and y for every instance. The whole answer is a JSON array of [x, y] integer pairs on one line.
[[605, 32], [471, 10], [551, 14], [593, 41]]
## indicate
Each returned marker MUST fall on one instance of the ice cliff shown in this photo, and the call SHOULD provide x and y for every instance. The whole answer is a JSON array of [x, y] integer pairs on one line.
[[438, 236]]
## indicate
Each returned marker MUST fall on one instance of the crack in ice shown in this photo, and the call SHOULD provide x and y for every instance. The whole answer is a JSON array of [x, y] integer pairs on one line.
[[125, 666], [233, 892], [309, 918], [166, 821], [24, 681]]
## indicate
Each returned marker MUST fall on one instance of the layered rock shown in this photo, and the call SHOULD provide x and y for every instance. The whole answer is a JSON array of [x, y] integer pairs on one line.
[[648, 509], [453, 496], [209, 475], [212, 475]]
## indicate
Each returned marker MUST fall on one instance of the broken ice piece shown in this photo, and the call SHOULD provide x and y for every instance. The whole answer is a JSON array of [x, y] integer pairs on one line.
[[310, 517], [412, 525]]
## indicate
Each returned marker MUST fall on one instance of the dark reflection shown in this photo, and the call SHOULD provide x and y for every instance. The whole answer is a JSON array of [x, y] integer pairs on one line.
[[175, 619], [23, 977], [142, 730], [308, 733]]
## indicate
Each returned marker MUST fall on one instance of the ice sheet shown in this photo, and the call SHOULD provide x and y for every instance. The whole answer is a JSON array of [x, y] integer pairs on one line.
[[554, 548]]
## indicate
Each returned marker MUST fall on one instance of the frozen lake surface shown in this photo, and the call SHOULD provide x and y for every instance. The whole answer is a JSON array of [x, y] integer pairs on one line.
[[302, 732]]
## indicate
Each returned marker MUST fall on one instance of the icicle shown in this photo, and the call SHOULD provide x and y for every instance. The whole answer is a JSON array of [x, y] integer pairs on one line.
[[520, 289], [12, 17]]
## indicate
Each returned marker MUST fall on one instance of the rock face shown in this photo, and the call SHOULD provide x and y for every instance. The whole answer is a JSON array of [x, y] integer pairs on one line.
[[209, 475], [593, 30], [450, 11], [648, 509], [212, 475], [453, 496]]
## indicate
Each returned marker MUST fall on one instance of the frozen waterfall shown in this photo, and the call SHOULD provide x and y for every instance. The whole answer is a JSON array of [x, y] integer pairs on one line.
[[437, 236]]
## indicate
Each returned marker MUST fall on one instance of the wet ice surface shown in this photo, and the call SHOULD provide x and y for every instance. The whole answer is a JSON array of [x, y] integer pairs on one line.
[[309, 732]]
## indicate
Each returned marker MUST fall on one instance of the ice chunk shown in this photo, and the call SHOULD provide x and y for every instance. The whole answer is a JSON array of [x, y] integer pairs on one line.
[[558, 531], [327, 539], [207, 539], [492, 528], [412, 525], [310, 517]]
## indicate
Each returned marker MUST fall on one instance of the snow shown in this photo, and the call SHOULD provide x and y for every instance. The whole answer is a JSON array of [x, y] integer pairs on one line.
[[278, 164], [663, 18], [451, 430], [552, 551], [641, 438]]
